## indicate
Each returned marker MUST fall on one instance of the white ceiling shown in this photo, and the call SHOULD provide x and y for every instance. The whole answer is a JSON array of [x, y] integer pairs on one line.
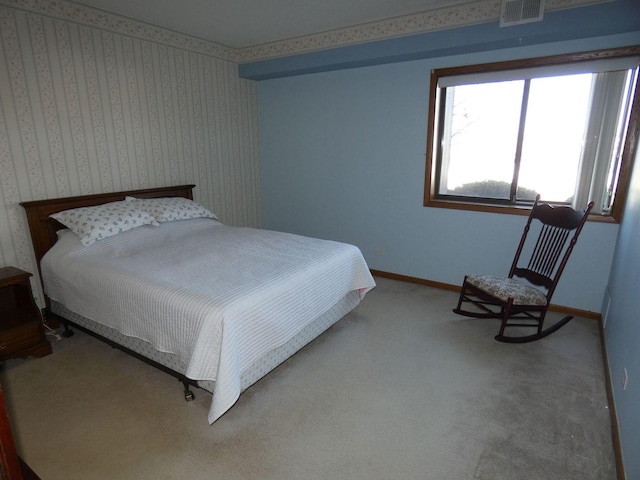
[[248, 23]]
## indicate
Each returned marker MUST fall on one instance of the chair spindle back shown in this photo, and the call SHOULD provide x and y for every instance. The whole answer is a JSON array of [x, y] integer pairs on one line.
[[552, 244]]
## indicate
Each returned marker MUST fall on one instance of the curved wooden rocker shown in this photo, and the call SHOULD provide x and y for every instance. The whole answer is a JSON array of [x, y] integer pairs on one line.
[[525, 303]]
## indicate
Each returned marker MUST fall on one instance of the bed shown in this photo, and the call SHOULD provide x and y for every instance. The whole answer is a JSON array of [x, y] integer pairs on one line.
[[214, 305]]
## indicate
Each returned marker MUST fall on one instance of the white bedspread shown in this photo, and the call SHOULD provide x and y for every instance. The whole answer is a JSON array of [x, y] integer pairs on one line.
[[218, 297]]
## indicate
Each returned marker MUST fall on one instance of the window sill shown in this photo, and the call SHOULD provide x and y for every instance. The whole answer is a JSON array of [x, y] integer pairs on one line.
[[509, 210]]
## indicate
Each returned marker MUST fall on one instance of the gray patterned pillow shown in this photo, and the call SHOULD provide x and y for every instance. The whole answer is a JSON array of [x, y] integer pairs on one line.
[[95, 223], [168, 209]]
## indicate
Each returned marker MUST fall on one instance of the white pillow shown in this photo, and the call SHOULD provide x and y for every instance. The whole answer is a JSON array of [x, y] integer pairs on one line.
[[168, 209], [102, 221]]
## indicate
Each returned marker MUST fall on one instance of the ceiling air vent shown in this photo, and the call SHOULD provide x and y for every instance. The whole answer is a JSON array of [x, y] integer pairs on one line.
[[515, 12]]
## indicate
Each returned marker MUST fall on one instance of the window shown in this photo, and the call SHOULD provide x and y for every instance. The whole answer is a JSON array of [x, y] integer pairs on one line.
[[556, 126]]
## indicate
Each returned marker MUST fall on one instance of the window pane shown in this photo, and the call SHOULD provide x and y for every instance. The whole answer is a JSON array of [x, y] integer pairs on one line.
[[569, 142], [479, 139], [553, 137]]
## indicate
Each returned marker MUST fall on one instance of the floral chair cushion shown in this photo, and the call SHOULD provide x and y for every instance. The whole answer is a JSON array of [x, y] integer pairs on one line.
[[503, 288]]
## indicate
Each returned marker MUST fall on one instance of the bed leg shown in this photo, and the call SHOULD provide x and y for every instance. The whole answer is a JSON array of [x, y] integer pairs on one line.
[[188, 394], [67, 331]]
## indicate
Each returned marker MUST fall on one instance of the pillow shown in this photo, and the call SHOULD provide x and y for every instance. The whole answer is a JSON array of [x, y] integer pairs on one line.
[[62, 232], [95, 223], [168, 209]]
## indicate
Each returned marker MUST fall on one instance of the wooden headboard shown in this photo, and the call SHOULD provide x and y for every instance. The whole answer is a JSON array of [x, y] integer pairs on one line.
[[43, 229]]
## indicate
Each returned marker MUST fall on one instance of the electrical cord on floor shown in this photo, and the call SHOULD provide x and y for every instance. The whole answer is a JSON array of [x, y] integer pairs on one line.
[[51, 332]]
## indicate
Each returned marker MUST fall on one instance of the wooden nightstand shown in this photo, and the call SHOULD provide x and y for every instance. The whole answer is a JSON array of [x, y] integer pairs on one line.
[[21, 329]]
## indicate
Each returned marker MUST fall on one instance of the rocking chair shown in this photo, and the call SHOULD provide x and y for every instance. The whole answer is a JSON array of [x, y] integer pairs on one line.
[[510, 299]]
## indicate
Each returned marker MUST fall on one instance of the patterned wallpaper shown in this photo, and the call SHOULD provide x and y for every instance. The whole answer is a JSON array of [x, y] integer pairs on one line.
[[87, 110], [468, 13]]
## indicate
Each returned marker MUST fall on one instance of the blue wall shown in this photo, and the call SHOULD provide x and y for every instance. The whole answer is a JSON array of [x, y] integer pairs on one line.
[[622, 329], [343, 157]]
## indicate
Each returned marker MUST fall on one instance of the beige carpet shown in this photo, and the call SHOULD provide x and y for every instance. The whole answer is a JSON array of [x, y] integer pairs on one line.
[[401, 388]]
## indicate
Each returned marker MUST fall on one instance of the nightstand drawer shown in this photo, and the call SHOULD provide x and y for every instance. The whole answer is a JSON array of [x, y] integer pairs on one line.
[[21, 330], [19, 337]]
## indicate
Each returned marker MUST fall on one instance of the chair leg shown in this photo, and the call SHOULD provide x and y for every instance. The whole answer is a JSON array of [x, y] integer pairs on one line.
[[462, 292], [506, 312], [464, 297], [536, 336]]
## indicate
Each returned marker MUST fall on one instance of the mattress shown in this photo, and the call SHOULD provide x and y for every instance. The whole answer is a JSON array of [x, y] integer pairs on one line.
[[217, 300]]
